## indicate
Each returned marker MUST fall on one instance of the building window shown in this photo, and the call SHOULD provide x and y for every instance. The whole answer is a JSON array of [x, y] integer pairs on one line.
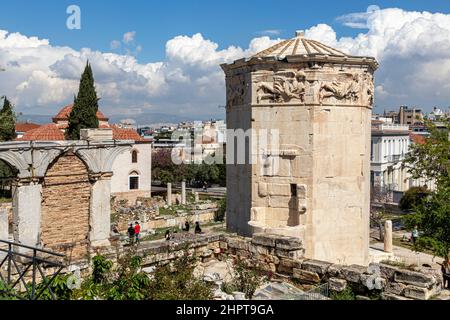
[[134, 156], [134, 183]]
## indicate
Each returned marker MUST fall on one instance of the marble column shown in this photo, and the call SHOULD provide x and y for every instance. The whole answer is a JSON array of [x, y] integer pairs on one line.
[[169, 194], [197, 198], [27, 213], [4, 232], [100, 217], [183, 192], [388, 236]]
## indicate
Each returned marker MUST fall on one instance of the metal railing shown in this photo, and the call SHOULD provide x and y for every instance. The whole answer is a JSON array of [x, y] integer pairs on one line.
[[23, 261], [319, 292]]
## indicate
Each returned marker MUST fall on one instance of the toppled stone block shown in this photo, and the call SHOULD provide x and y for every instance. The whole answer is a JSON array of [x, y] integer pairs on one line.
[[264, 239], [395, 288], [414, 278], [418, 293], [386, 270], [296, 254], [287, 265], [238, 243], [391, 296], [337, 284], [353, 272], [288, 243], [256, 249], [372, 281], [317, 266], [306, 276], [334, 270]]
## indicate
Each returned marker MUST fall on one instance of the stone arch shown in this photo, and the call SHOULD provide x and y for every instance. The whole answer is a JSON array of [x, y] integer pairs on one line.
[[66, 194], [17, 161]]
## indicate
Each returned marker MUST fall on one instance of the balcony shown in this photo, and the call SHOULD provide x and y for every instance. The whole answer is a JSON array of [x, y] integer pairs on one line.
[[394, 158]]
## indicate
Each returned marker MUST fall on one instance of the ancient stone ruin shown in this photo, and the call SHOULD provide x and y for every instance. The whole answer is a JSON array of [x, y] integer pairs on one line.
[[305, 109]]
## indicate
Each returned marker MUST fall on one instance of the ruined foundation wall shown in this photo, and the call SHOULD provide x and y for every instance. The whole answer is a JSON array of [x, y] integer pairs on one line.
[[66, 196]]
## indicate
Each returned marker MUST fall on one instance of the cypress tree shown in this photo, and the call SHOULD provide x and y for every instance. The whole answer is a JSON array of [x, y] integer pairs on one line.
[[85, 107], [7, 121]]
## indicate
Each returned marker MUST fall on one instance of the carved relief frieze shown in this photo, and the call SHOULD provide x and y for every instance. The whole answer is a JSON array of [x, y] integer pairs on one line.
[[281, 87], [236, 90], [347, 88], [344, 87]]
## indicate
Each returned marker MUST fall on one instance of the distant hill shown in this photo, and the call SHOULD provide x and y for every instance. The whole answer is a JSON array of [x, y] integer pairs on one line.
[[35, 118], [141, 119]]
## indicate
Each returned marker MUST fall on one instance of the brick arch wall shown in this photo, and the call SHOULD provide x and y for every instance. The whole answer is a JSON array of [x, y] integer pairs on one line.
[[66, 196]]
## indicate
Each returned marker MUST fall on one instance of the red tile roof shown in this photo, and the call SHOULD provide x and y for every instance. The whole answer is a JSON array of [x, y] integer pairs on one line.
[[417, 138], [47, 132], [26, 126], [125, 134], [51, 132], [64, 113], [55, 132]]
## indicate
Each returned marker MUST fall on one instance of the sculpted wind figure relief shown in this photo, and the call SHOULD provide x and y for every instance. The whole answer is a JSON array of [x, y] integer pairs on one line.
[[341, 90], [286, 85]]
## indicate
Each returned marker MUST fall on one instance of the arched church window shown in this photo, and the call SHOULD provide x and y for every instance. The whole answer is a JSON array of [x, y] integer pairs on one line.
[[134, 156]]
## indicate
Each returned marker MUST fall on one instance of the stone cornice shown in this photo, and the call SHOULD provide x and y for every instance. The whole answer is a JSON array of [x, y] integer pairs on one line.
[[323, 58]]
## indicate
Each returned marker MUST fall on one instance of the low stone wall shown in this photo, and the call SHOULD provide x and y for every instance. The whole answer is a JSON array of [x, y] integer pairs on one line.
[[202, 216], [131, 196], [283, 256]]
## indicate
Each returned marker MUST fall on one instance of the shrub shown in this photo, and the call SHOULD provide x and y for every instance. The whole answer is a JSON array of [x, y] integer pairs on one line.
[[177, 282]]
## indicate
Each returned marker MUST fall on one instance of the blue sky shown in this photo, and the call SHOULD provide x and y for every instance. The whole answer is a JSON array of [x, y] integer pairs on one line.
[[169, 63], [229, 22]]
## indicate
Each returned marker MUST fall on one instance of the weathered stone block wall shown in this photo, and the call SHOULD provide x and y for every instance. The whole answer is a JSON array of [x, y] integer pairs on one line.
[[284, 256], [66, 196], [338, 229], [239, 175]]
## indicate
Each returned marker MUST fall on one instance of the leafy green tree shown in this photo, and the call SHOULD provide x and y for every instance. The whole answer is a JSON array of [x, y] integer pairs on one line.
[[7, 121], [221, 211], [432, 215], [85, 107], [431, 159], [413, 197], [246, 278]]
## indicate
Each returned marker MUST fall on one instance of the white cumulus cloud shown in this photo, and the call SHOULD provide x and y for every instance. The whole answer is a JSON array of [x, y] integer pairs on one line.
[[413, 49]]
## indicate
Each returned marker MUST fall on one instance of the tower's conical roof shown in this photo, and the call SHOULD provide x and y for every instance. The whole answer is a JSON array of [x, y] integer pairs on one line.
[[300, 49], [299, 46]]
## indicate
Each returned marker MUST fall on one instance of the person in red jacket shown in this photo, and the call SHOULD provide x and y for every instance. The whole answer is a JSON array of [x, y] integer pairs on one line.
[[137, 230]]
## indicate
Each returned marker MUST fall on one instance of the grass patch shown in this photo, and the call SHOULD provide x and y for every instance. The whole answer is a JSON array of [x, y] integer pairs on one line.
[[158, 235], [5, 200], [399, 264], [408, 245]]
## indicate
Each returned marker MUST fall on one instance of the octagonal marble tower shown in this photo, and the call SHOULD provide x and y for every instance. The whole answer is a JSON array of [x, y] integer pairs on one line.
[[307, 164]]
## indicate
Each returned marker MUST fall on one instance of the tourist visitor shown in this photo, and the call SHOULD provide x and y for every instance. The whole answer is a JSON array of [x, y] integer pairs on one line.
[[414, 235], [131, 233], [445, 269], [186, 226], [167, 235], [137, 231], [197, 228]]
